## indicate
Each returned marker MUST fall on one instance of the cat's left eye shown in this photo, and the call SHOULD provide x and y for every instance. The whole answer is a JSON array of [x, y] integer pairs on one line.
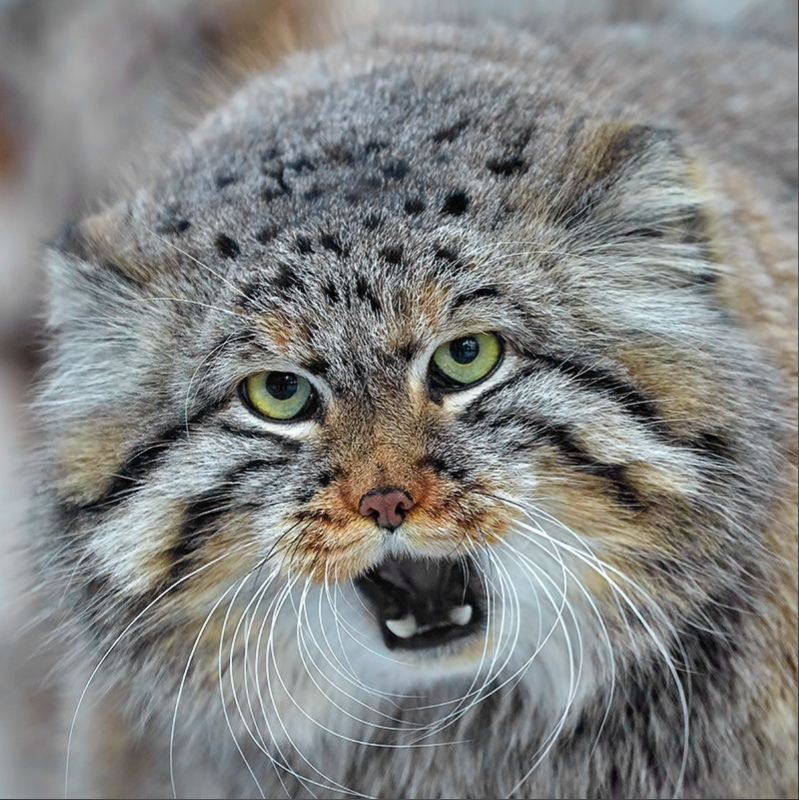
[[465, 361], [281, 396]]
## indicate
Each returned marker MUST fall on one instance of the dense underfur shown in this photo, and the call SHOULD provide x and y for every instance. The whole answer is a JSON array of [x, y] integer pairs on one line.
[[622, 480]]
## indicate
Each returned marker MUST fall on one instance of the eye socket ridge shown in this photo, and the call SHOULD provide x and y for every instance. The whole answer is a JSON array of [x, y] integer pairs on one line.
[[279, 396], [464, 362]]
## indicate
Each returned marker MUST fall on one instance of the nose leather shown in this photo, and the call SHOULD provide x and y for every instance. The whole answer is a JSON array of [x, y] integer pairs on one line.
[[387, 506]]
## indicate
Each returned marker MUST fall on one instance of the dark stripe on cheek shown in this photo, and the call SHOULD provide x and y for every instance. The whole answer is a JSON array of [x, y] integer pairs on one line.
[[199, 523], [205, 514], [632, 399], [713, 446], [615, 475], [130, 476], [481, 409], [558, 436]]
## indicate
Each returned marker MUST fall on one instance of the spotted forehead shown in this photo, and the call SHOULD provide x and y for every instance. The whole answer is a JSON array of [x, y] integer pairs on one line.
[[362, 213], [388, 160], [384, 296]]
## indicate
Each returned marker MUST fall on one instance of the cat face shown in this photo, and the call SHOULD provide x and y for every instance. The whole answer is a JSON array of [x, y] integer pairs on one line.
[[380, 394]]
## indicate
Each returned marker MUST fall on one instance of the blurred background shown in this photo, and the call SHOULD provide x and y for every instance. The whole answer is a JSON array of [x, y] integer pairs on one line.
[[89, 88]]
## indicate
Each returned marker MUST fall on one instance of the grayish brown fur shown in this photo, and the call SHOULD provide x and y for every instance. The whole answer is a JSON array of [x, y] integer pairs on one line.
[[340, 217]]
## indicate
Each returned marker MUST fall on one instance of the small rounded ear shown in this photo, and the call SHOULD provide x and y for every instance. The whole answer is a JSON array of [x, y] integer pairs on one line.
[[103, 240], [91, 262], [622, 180]]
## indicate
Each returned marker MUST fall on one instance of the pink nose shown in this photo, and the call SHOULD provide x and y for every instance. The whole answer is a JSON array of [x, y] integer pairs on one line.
[[387, 506]]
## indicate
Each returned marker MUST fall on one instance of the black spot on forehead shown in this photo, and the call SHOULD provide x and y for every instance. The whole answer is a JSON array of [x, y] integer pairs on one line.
[[224, 179], [173, 225], [339, 153], [301, 165], [450, 259], [331, 293], [303, 244], [455, 203], [449, 133], [372, 220], [314, 193], [375, 145], [365, 292], [414, 205], [226, 246], [332, 242], [267, 233], [286, 281], [392, 253], [396, 169], [506, 165]]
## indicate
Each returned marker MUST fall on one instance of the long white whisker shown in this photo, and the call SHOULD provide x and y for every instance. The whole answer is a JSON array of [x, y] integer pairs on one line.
[[183, 683], [231, 674], [122, 635], [272, 613], [606, 570], [273, 659]]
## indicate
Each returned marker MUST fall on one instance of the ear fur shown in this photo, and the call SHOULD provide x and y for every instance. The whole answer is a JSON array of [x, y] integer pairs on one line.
[[623, 180], [90, 261]]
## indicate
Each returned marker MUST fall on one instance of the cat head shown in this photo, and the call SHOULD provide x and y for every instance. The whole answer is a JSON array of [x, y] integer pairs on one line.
[[433, 354]]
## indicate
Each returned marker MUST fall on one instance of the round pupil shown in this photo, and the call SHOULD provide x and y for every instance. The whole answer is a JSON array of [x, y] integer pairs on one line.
[[281, 385], [465, 350]]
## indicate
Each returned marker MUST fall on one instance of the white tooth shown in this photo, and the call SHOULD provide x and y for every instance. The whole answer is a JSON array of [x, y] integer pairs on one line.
[[461, 615], [404, 628]]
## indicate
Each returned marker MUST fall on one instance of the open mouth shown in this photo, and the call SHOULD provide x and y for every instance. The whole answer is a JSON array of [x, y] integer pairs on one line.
[[423, 603]]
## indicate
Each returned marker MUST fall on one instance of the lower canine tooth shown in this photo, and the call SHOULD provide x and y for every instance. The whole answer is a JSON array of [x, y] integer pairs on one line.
[[461, 615], [404, 628]]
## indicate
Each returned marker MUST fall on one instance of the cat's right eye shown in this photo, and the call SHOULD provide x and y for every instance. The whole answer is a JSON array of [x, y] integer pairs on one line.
[[465, 361], [279, 396]]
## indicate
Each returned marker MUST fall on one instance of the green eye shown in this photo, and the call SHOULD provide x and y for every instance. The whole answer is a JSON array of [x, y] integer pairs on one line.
[[467, 360], [278, 395]]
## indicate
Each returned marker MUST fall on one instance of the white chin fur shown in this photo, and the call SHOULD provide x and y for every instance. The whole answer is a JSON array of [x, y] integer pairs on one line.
[[553, 648]]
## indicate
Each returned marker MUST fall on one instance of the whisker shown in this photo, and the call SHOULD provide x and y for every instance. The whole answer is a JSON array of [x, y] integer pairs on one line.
[[185, 675], [121, 636], [204, 266], [606, 570]]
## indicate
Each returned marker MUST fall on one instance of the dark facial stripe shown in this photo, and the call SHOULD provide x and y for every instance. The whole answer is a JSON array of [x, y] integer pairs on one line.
[[285, 444], [481, 408], [477, 294], [632, 399], [713, 446], [131, 474], [205, 514], [562, 438]]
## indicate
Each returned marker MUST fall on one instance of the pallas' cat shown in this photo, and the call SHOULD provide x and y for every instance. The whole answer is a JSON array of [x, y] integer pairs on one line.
[[424, 427]]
